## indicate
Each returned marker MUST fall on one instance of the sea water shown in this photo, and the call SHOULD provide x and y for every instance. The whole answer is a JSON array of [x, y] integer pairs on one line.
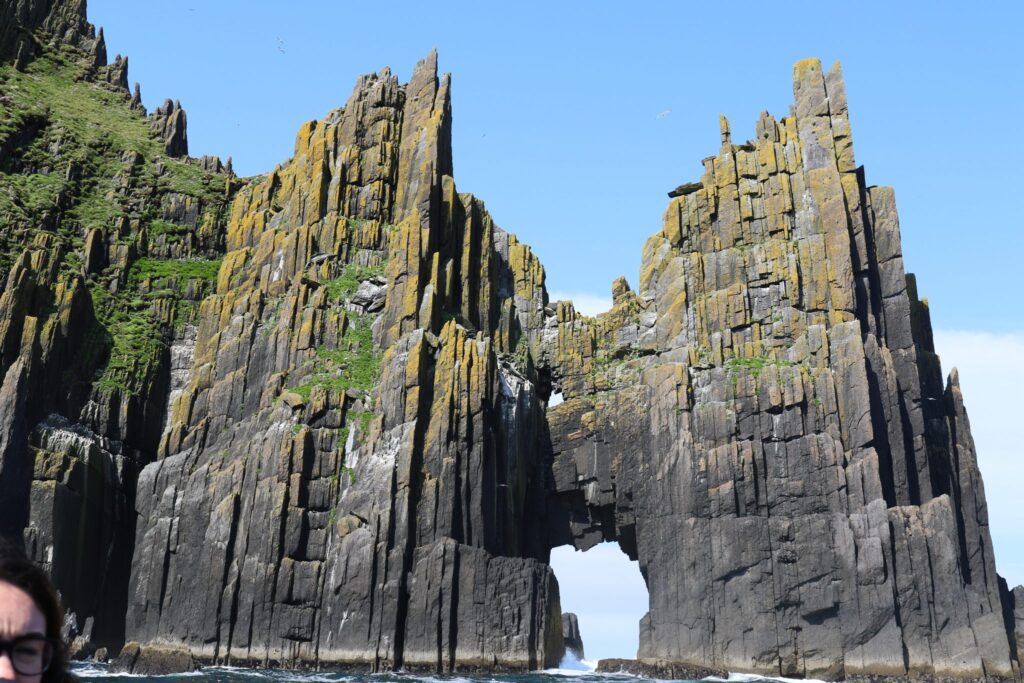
[[569, 671], [94, 673]]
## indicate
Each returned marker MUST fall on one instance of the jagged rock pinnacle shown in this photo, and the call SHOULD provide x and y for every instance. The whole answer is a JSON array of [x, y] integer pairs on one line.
[[170, 124]]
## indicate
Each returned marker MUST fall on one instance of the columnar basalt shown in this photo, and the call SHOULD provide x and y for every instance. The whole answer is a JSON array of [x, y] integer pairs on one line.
[[324, 392], [774, 442]]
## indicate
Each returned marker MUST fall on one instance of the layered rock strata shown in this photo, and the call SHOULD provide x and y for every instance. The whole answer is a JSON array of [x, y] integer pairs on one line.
[[306, 418], [763, 425]]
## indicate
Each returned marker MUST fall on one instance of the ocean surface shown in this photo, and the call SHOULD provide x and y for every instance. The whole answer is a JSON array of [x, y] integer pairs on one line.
[[571, 672]]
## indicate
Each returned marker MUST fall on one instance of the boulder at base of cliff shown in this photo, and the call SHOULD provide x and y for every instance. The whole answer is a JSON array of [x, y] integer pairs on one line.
[[153, 660], [657, 669]]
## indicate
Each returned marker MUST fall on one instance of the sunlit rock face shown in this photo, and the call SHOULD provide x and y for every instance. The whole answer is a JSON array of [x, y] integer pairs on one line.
[[328, 417], [765, 428]]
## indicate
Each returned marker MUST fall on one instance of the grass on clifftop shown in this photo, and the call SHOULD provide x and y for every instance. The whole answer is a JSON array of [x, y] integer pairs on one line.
[[88, 117], [75, 156]]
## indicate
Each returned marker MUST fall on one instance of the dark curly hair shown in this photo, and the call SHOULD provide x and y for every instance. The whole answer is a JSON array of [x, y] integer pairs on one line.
[[17, 570]]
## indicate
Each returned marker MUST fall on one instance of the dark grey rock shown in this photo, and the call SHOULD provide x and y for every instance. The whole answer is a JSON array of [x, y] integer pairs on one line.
[[169, 122], [1018, 620], [657, 670], [763, 425], [59, 21], [116, 73], [152, 660], [571, 635], [370, 296], [136, 101]]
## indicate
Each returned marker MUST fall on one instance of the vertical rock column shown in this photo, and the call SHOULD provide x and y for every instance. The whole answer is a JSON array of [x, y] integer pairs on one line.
[[802, 483], [375, 528]]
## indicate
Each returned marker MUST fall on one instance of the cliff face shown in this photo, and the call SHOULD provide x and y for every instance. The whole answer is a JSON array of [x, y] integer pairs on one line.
[[344, 476], [106, 248], [306, 415], [774, 442]]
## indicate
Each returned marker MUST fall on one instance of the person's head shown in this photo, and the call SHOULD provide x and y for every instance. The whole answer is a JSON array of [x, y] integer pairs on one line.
[[28, 607]]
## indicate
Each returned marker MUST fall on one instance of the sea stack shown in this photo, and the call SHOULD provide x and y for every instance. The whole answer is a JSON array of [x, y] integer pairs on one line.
[[571, 635]]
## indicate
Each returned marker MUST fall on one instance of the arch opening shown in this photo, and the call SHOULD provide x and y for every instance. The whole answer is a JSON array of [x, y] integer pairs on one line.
[[608, 595]]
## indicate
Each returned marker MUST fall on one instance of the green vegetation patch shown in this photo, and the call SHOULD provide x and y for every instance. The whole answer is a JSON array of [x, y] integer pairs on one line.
[[173, 231], [30, 194], [56, 119], [355, 365], [180, 269], [135, 337], [73, 156], [130, 329], [346, 284]]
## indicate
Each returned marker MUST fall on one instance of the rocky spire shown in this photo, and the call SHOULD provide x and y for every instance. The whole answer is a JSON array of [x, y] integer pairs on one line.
[[117, 73], [136, 101], [63, 21], [571, 635], [170, 124], [99, 50]]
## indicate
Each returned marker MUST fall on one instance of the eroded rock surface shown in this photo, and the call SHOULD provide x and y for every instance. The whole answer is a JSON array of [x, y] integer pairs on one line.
[[307, 416]]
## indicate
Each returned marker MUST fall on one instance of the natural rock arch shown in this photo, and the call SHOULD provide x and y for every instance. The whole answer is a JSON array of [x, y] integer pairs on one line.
[[357, 479]]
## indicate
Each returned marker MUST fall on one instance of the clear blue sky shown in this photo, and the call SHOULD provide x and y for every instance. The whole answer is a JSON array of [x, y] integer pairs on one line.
[[572, 121]]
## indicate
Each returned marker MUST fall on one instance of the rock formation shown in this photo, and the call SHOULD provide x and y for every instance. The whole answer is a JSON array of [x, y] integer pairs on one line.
[[799, 488], [571, 635], [170, 124], [26, 25], [106, 249], [324, 393]]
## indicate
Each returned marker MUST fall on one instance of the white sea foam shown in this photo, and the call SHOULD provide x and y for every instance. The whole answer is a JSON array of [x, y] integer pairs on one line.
[[570, 666], [92, 670], [582, 671], [753, 678]]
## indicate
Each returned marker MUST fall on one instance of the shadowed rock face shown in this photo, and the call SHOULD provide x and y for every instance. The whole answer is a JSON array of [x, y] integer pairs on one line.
[[1017, 623], [343, 455]]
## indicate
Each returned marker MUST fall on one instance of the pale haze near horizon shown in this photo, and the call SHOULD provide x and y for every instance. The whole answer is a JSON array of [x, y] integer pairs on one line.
[[571, 122]]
